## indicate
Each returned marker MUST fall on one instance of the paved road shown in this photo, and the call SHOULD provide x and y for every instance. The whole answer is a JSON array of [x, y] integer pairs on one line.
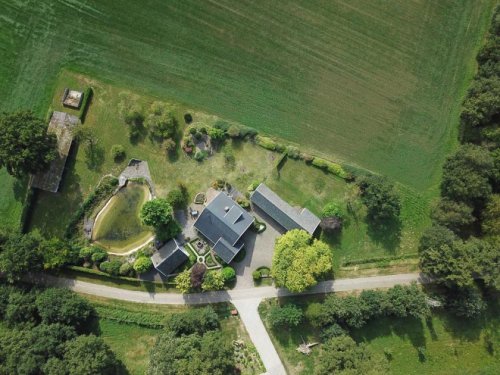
[[245, 300], [339, 285], [248, 310]]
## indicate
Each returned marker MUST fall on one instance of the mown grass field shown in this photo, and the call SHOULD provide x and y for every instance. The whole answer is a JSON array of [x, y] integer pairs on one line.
[[298, 183], [452, 345], [375, 83]]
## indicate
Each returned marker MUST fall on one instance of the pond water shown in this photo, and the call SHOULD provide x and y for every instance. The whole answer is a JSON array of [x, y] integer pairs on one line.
[[118, 227]]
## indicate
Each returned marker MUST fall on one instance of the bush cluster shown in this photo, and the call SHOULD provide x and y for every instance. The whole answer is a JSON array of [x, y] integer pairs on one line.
[[330, 167], [269, 144]]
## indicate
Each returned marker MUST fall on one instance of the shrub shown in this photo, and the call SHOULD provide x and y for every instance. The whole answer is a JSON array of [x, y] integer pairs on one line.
[[307, 158], [213, 280], [233, 131], [188, 118], [315, 314], [333, 168], [288, 315], [169, 145], [200, 155], [228, 273], [332, 209], [243, 202], [98, 255], [216, 135], [142, 264], [111, 267], [332, 331], [222, 125], [256, 275], [200, 321], [118, 152], [266, 143], [126, 269], [293, 152], [253, 185]]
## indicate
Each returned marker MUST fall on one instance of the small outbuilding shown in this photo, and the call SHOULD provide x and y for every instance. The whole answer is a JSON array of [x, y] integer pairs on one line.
[[169, 257], [72, 98]]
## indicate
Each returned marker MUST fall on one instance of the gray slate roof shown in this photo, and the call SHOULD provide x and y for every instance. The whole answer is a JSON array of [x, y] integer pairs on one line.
[[284, 214], [168, 257], [223, 222], [61, 124]]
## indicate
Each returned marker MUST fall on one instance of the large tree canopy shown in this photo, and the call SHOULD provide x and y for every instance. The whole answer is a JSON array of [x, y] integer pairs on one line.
[[20, 254], [25, 146], [191, 354], [341, 355], [466, 175], [298, 260], [380, 197]]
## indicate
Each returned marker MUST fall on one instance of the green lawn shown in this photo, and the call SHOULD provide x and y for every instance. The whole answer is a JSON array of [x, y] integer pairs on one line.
[[12, 194], [298, 183], [375, 83], [452, 346]]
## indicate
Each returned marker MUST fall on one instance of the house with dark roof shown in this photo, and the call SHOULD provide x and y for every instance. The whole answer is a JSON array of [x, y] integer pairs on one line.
[[168, 257], [223, 222], [62, 125], [280, 211]]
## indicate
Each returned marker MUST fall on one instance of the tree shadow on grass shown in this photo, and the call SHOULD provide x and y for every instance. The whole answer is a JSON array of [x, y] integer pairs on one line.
[[387, 233], [94, 157], [19, 188]]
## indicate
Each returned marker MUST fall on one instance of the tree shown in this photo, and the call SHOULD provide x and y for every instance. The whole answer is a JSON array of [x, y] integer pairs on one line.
[[25, 145], [374, 302], [288, 315], [143, 264], [452, 261], [21, 309], [197, 274], [380, 197], [20, 254], [349, 311], [56, 254], [176, 199], [157, 212], [466, 175], [26, 351], [482, 102], [491, 217], [466, 302], [213, 280], [161, 121], [192, 354], [89, 355], [453, 215], [407, 301], [341, 355], [57, 305], [183, 281], [199, 321], [98, 255], [298, 260]]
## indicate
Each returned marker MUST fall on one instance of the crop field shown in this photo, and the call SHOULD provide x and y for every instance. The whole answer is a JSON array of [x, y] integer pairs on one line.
[[374, 83]]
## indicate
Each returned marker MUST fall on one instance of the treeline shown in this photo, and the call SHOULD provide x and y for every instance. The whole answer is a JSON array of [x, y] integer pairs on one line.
[[50, 332], [462, 248]]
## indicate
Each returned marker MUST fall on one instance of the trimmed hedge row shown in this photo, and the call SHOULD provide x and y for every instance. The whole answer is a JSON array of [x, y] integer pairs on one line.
[[269, 143], [149, 320], [87, 96], [103, 190], [29, 199], [330, 167], [354, 262]]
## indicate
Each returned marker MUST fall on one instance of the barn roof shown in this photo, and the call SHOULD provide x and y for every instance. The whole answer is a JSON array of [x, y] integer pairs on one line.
[[168, 257], [284, 214]]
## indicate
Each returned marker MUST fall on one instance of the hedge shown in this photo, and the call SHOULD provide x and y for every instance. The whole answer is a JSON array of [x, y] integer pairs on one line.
[[269, 143], [149, 319], [29, 199], [87, 96], [330, 167], [103, 190], [354, 262]]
